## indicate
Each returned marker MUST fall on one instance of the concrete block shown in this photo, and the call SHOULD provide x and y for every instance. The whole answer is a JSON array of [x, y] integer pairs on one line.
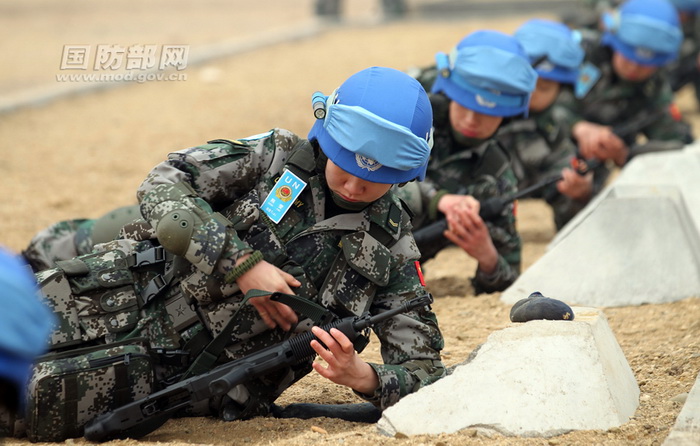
[[637, 245], [536, 379], [686, 430], [667, 170]]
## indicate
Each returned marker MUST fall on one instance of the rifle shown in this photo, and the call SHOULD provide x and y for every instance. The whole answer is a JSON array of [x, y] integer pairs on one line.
[[142, 417], [430, 239]]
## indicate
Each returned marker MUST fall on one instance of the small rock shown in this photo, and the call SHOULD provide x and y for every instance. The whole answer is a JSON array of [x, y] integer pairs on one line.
[[400, 435], [470, 432], [680, 398], [319, 430]]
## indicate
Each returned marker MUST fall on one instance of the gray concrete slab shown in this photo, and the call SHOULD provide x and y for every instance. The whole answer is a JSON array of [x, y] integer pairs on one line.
[[677, 168], [537, 379], [637, 243], [686, 431]]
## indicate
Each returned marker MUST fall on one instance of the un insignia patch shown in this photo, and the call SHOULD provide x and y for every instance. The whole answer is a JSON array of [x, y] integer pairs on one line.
[[367, 163], [587, 78], [644, 53], [484, 103]]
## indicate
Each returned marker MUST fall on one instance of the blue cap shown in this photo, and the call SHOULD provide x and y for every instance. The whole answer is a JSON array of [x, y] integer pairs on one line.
[[687, 5], [377, 126], [554, 48], [488, 72], [25, 322], [647, 32]]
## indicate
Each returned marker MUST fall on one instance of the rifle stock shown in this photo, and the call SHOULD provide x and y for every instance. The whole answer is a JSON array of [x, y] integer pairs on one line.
[[139, 418]]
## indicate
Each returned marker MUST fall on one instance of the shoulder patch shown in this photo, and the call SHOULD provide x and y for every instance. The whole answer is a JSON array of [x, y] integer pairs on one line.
[[587, 78]]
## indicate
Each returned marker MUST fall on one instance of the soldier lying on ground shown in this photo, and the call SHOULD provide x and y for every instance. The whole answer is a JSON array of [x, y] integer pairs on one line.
[[227, 224], [622, 82], [540, 146], [486, 79]]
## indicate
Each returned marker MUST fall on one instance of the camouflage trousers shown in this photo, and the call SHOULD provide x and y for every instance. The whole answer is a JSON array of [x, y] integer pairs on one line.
[[128, 325]]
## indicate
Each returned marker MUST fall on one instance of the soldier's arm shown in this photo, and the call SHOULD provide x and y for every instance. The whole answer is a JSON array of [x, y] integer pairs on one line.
[[506, 239], [410, 343], [179, 196]]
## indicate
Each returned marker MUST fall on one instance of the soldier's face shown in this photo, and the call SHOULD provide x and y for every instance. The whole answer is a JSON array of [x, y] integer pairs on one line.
[[351, 188], [473, 124], [630, 70], [545, 94]]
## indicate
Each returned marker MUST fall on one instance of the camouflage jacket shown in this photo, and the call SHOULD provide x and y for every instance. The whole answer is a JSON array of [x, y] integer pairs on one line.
[[540, 146], [612, 101], [483, 172], [338, 259]]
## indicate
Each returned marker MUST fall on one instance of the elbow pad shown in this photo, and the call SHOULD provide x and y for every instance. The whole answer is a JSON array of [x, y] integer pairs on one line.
[[185, 228]]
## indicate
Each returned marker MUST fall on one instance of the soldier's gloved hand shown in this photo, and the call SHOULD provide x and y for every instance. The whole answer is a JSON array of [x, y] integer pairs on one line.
[[265, 276], [345, 367]]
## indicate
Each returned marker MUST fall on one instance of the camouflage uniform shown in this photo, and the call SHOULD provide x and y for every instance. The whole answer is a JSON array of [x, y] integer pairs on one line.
[[540, 146], [614, 102], [71, 238], [480, 169], [180, 300]]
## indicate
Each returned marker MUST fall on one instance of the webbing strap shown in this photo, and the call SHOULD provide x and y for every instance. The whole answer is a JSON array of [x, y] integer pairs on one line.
[[206, 360], [319, 314]]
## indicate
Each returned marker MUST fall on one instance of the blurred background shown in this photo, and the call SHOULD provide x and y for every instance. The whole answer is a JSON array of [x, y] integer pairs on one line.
[[76, 146], [36, 32]]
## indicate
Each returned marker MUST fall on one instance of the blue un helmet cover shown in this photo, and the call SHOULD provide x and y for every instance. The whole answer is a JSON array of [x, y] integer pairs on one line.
[[554, 49], [692, 6], [647, 32], [377, 126], [488, 72], [25, 322]]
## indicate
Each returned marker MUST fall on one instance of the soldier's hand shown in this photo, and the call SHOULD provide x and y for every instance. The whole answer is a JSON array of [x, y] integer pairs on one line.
[[265, 276], [599, 142], [467, 230], [345, 367], [576, 186]]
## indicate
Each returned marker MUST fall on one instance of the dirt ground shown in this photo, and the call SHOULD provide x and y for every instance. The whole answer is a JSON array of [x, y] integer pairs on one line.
[[83, 156]]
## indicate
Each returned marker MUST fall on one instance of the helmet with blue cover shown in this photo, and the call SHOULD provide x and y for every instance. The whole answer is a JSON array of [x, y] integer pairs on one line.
[[647, 32], [488, 72], [553, 48], [377, 126], [26, 323]]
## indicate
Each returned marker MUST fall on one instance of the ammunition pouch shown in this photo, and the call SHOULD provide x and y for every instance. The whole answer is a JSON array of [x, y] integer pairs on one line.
[[69, 389], [361, 266], [100, 295]]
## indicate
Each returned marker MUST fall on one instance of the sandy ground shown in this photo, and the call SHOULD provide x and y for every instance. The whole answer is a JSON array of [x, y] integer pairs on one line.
[[83, 156]]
